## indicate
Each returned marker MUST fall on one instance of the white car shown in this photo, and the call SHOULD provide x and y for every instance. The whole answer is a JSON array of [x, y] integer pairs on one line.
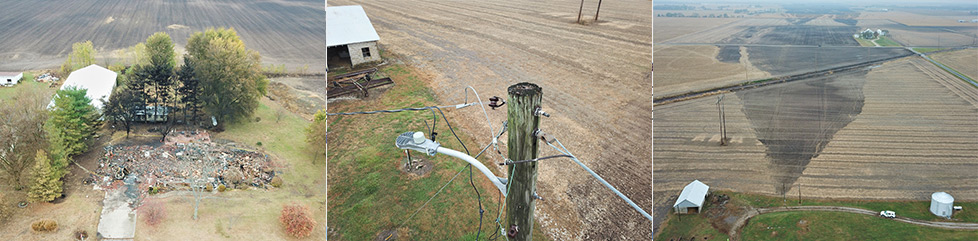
[[887, 214]]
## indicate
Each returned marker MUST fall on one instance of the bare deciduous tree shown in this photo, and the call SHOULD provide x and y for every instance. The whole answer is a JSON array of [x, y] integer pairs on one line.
[[22, 132]]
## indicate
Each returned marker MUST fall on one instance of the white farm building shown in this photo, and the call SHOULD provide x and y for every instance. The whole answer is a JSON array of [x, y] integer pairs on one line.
[[10, 78], [97, 80], [350, 37], [692, 197]]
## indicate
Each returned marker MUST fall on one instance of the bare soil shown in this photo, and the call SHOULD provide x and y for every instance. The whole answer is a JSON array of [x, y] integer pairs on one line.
[[39, 34], [902, 130], [962, 60], [594, 86]]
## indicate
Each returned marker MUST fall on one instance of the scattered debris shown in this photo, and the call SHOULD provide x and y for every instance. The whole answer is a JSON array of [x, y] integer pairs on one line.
[[184, 156]]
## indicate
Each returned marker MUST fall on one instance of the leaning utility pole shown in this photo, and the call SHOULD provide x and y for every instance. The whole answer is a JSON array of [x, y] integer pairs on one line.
[[522, 119], [597, 12], [579, 11]]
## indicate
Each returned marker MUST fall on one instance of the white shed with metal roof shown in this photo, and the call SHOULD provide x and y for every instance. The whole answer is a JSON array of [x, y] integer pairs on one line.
[[692, 197], [350, 35]]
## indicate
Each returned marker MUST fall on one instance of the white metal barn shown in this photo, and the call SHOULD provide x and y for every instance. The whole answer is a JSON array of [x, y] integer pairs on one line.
[[350, 35], [10, 78], [692, 197], [941, 204], [97, 80]]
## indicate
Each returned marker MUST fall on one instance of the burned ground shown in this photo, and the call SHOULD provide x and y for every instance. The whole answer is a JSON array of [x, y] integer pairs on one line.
[[729, 54], [897, 128], [796, 127], [791, 60], [796, 34]]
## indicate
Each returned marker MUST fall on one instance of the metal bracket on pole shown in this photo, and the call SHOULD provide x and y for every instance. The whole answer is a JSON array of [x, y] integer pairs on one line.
[[416, 141]]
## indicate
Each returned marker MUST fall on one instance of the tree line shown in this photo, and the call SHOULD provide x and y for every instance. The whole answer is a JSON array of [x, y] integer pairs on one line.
[[219, 77]]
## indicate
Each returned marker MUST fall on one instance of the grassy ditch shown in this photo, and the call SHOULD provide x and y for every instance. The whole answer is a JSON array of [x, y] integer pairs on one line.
[[812, 225], [820, 225], [370, 194]]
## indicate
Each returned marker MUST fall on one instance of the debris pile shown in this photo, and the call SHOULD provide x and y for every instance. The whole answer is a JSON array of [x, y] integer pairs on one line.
[[183, 159]]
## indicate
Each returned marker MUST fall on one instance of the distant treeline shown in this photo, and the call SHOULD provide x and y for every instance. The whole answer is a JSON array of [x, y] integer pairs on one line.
[[697, 15], [673, 7]]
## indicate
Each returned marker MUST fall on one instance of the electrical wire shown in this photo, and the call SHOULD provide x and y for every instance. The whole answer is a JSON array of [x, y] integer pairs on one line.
[[478, 195], [429, 199], [458, 106]]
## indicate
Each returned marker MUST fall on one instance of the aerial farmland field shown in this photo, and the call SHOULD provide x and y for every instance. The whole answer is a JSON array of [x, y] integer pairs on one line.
[[596, 81], [836, 120], [962, 60], [39, 35]]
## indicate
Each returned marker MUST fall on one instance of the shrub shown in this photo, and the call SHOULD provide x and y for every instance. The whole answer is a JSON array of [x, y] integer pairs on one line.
[[44, 225], [297, 220], [276, 181], [259, 143], [209, 187], [221, 188], [153, 212]]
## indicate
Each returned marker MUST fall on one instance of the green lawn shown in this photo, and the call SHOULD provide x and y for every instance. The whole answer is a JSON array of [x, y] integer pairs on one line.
[[911, 209], [927, 50], [841, 226], [886, 41], [368, 192], [689, 225], [865, 43], [26, 83], [698, 225]]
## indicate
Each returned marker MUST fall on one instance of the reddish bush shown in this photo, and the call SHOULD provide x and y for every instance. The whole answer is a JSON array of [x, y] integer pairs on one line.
[[297, 220], [153, 212]]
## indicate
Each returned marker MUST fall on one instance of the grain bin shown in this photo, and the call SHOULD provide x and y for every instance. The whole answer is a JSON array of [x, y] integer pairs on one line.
[[941, 204]]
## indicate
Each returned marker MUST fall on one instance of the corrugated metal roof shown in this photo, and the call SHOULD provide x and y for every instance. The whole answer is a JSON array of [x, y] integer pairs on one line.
[[97, 80], [348, 24], [694, 193]]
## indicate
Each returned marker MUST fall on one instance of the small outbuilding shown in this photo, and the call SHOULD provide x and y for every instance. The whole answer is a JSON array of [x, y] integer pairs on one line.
[[98, 81], [350, 37], [941, 204], [10, 78], [692, 197]]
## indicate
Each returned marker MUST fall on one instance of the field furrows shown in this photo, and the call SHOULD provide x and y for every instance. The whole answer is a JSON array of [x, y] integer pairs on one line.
[[594, 80], [913, 135], [288, 33], [958, 86]]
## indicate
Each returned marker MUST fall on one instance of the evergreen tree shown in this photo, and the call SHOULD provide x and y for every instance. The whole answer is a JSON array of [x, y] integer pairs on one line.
[[46, 183], [71, 125]]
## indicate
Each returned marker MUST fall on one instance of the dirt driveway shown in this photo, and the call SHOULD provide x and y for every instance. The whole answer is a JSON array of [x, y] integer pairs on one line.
[[596, 82]]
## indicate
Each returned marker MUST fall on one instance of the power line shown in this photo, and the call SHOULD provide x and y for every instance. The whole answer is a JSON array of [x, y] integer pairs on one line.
[[458, 106]]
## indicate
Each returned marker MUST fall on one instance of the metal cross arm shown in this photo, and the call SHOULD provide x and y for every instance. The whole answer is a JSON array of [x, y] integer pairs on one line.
[[417, 141]]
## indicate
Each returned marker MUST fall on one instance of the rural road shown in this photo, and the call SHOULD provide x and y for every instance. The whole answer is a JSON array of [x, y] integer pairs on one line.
[[754, 212]]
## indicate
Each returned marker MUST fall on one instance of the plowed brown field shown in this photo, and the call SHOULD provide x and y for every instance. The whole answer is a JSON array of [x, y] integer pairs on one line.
[[39, 34], [902, 130]]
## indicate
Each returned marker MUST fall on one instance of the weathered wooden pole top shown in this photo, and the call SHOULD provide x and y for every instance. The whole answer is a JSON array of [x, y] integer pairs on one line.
[[523, 89]]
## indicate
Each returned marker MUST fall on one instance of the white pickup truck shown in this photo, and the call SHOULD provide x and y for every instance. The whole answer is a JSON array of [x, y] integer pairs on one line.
[[887, 214]]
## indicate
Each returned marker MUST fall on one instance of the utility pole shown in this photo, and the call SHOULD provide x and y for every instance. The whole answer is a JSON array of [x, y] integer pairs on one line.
[[596, 12], [799, 193], [579, 11], [524, 100], [723, 121]]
